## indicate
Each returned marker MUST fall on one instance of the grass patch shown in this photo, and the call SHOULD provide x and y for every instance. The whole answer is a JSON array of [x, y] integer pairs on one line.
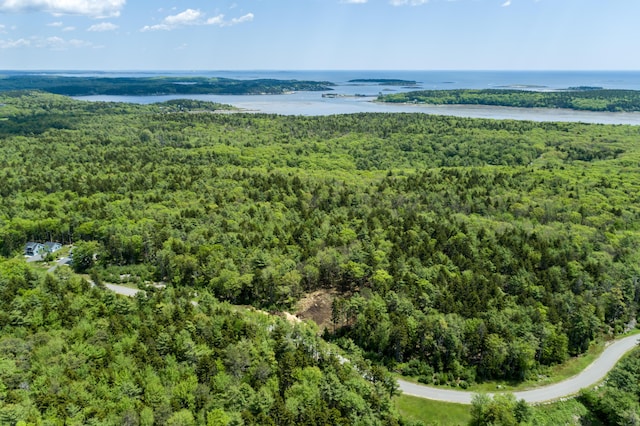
[[432, 412], [570, 412]]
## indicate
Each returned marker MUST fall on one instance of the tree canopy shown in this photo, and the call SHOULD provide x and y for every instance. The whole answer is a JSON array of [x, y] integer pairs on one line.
[[80, 355], [146, 86], [460, 249]]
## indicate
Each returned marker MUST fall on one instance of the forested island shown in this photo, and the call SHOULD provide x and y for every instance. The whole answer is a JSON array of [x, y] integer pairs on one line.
[[456, 251], [145, 86], [582, 99], [385, 81]]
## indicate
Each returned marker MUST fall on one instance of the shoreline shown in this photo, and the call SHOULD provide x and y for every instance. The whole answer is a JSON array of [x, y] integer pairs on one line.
[[553, 114], [507, 108], [312, 104]]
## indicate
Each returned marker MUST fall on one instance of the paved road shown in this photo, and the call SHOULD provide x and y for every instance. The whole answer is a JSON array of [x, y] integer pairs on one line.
[[119, 289], [590, 376], [59, 262], [34, 258]]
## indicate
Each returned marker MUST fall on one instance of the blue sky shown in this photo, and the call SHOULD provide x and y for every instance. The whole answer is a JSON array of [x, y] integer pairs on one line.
[[320, 34]]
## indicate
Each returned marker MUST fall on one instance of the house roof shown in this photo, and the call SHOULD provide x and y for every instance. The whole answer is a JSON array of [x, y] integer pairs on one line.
[[52, 246]]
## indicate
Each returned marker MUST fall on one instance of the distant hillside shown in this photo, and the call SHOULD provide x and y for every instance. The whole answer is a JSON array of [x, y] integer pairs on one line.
[[144, 86]]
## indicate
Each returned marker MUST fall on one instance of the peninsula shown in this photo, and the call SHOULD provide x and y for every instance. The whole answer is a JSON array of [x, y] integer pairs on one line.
[[578, 99]]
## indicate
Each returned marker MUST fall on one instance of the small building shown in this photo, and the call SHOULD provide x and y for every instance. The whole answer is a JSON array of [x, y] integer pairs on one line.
[[32, 248], [51, 247]]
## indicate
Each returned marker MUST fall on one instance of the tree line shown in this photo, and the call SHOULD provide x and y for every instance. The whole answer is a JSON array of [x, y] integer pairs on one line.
[[151, 86]]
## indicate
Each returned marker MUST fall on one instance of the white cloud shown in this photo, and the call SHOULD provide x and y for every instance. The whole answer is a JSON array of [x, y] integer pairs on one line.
[[55, 24], [407, 2], [103, 26], [156, 27], [245, 18], [506, 3], [51, 43], [354, 1], [192, 17], [67, 29], [188, 17], [216, 20], [12, 44], [92, 8], [59, 43]]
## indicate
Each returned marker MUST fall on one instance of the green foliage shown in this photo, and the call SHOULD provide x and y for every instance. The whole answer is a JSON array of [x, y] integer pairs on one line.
[[618, 401], [76, 354], [140, 86], [502, 409], [588, 100], [461, 249], [85, 254], [569, 412]]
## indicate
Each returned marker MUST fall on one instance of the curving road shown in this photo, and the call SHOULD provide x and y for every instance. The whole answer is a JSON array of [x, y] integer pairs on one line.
[[59, 262], [594, 373], [120, 289]]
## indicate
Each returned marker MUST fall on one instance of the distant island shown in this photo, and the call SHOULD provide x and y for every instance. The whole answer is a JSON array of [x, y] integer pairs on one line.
[[384, 81], [146, 86], [586, 88], [193, 106], [581, 98], [343, 95]]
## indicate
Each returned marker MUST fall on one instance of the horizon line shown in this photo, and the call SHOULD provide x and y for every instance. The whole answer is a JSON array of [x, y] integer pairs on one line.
[[309, 70]]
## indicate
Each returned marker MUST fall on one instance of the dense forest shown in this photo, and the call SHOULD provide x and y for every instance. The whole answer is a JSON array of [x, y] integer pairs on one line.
[[79, 355], [145, 86], [585, 99], [460, 249]]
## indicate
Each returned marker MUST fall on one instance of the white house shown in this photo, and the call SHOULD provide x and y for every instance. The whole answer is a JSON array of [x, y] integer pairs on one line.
[[32, 248], [51, 247]]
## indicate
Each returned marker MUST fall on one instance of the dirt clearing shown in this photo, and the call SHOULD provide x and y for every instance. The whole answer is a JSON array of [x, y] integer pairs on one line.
[[317, 307]]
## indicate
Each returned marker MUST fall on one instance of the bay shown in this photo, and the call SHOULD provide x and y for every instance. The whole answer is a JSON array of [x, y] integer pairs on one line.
[[351, 97]]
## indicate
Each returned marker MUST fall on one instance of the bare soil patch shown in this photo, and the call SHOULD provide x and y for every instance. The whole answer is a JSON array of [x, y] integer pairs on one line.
[[317, 307]]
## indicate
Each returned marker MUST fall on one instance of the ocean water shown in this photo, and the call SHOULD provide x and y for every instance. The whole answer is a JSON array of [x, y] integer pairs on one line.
[[312, 103], [552, 80]]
